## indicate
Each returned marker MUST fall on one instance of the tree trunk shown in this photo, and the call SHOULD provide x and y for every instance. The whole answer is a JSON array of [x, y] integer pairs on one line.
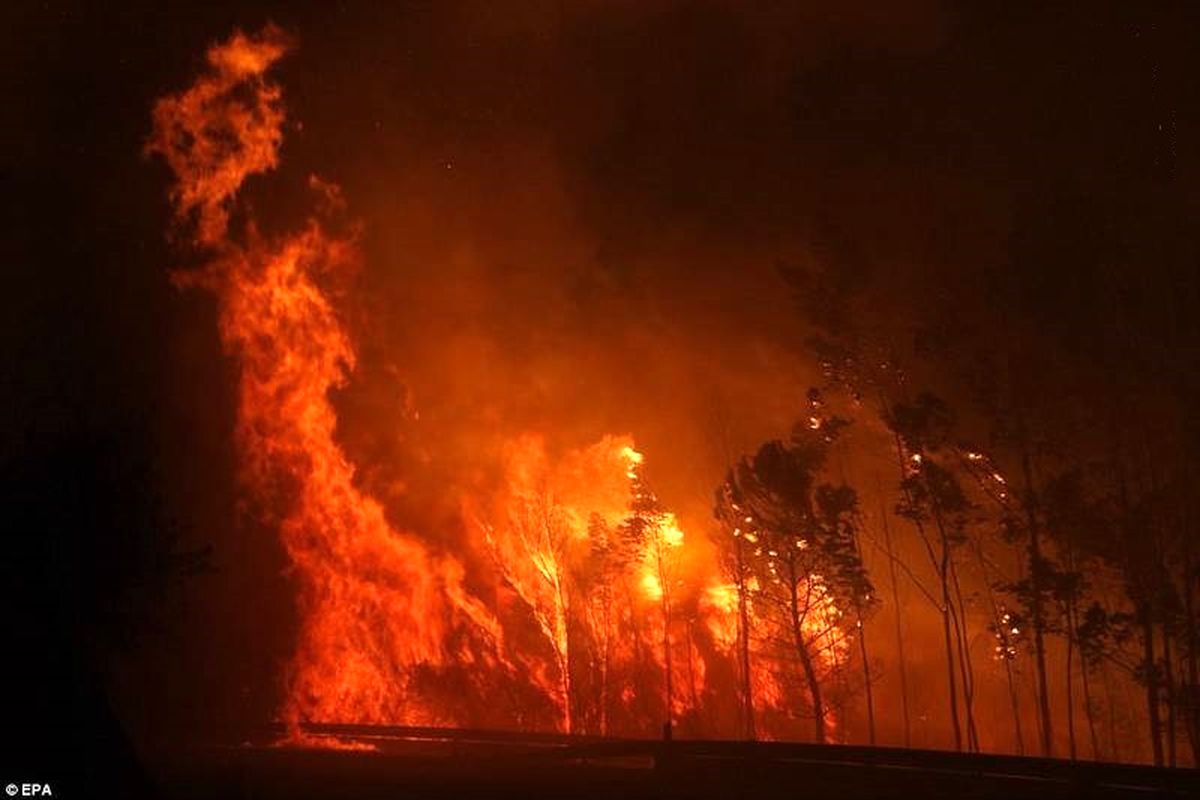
[[862, 647], [1169, 694], [1160, 613], [565, 657], [1039, 622], [1193, 667], [1114, 741], [1152, 710], [1085, 683], [1072, 642], [887, 538], [641, 645], [605, 655], [666, 644], [744, 643], [866, 661], [964, 662], [1145, 613], [806, 662], [1014, 699], [1016, 707], [941, 565], [1070, 694], [947, 612], [693, 698], [950, 679]]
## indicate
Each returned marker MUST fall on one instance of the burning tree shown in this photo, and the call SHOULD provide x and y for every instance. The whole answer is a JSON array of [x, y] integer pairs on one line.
[[590, 595], [596, 584], [539, 539], [651, 530], [591, 553], [802, 564], [738, 568]]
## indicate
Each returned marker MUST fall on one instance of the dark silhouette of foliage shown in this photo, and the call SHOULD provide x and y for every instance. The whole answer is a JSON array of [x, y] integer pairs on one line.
[[802, 549]]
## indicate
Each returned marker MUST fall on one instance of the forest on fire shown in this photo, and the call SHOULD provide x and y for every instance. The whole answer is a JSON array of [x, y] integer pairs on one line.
[[1058, 574], [676, 373]]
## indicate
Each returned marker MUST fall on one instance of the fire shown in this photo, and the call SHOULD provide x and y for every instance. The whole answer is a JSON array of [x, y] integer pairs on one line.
[[720, 607], [595, 598], [213, 140], [585, 546], [633, 459], [374, 602]]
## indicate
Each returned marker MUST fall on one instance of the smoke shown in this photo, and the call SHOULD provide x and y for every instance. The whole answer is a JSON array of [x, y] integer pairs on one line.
[[573, 219], [573, 227], [500, 355], [562, 279]]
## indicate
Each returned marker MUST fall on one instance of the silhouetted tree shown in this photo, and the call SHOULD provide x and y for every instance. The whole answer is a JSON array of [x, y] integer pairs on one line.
[[737, 568], [802, 550], [935, 502]]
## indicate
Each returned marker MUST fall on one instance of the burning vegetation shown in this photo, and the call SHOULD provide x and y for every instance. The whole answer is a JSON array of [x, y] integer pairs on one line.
[[598, 617], [571, 596]]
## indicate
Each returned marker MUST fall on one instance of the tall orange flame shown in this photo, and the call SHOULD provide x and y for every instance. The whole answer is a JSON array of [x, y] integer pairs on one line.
[[373, 602]]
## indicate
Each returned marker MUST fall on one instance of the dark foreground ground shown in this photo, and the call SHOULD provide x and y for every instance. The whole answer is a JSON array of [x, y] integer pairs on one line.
[[413, 763]]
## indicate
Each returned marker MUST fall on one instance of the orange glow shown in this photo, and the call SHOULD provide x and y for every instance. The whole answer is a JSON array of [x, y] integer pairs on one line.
[[374, 602], [212, 138], [720, 604], [539, 531], [581, 571]]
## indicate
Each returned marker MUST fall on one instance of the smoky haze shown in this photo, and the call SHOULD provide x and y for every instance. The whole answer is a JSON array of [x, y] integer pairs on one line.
[[577, 220], [574, 216]]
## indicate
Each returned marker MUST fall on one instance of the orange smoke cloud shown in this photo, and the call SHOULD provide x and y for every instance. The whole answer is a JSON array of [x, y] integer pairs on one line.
[[626, 611]]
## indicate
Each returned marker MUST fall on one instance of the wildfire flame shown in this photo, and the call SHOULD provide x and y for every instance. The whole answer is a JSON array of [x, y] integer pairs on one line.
[[374, 602], [581, 546]]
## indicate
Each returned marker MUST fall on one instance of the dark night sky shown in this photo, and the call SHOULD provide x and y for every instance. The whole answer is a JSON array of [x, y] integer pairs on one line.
[[939, 142], [1038, 163]]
